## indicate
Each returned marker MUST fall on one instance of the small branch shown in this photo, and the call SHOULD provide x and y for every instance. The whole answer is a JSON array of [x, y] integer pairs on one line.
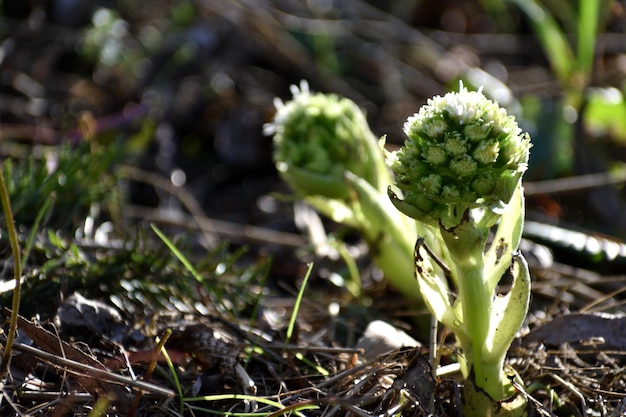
[[572, 184], [82, 369]]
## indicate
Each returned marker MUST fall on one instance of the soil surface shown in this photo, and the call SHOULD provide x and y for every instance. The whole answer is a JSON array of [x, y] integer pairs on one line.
[[148, 117]]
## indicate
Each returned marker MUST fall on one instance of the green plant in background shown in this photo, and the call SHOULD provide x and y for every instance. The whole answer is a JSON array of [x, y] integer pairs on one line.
[[66, 202], [572, 68], [70, 180], [325, 150], [108, 42], [138, 275], [571, 65], [460, 171]]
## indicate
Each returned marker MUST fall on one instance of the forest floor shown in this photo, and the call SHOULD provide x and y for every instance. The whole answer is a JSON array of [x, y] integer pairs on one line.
[[165, 265]]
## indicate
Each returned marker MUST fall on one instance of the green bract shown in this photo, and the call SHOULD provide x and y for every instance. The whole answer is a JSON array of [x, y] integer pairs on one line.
[[463, 151]]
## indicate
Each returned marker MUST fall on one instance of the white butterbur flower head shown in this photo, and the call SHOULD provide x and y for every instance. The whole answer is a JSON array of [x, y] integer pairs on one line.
[[460, 172], [472, 145]]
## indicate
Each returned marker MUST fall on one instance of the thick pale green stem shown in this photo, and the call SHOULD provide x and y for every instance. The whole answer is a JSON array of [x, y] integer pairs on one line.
[[390, 235], [466, 243], [476, 313]]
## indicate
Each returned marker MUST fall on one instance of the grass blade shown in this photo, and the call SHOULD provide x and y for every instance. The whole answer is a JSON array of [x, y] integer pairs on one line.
[[45, 210], [553, 40], [182, 258], [588, 15], [296, 306]]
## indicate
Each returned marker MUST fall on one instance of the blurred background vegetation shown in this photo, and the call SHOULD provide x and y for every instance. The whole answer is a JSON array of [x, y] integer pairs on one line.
[[117, 112]]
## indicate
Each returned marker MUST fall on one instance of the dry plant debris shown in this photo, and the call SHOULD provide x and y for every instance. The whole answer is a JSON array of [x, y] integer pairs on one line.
[[574, 364], [200, 95]]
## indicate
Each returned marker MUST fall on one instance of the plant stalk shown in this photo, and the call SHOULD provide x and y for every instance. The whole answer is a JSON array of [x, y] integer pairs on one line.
[[17, 273], [467, 243]]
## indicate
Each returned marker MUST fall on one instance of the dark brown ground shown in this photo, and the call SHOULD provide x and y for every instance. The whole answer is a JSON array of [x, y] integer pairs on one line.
[[199, 79]]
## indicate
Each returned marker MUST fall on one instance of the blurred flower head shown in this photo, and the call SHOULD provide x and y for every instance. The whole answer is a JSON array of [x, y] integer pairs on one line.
[[317, 138]]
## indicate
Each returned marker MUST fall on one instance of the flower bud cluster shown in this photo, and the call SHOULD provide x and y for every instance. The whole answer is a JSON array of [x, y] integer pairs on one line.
[[462, 151], [322, 135]]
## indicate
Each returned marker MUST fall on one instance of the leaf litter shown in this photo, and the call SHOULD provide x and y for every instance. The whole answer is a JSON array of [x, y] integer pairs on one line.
[[101, 291]]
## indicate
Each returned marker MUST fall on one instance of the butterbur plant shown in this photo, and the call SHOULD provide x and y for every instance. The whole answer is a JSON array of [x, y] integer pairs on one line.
[[460, 171], [325, 150]]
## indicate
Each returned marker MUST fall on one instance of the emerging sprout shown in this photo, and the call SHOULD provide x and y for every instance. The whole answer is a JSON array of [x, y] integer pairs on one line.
[[325, 150], [318, 138], [460, 171]]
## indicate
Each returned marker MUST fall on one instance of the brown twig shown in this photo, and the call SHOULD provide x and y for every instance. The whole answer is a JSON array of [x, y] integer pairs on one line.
[[185, 197], [78, 368], [572, 184], [223, 228], [148, 373]]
